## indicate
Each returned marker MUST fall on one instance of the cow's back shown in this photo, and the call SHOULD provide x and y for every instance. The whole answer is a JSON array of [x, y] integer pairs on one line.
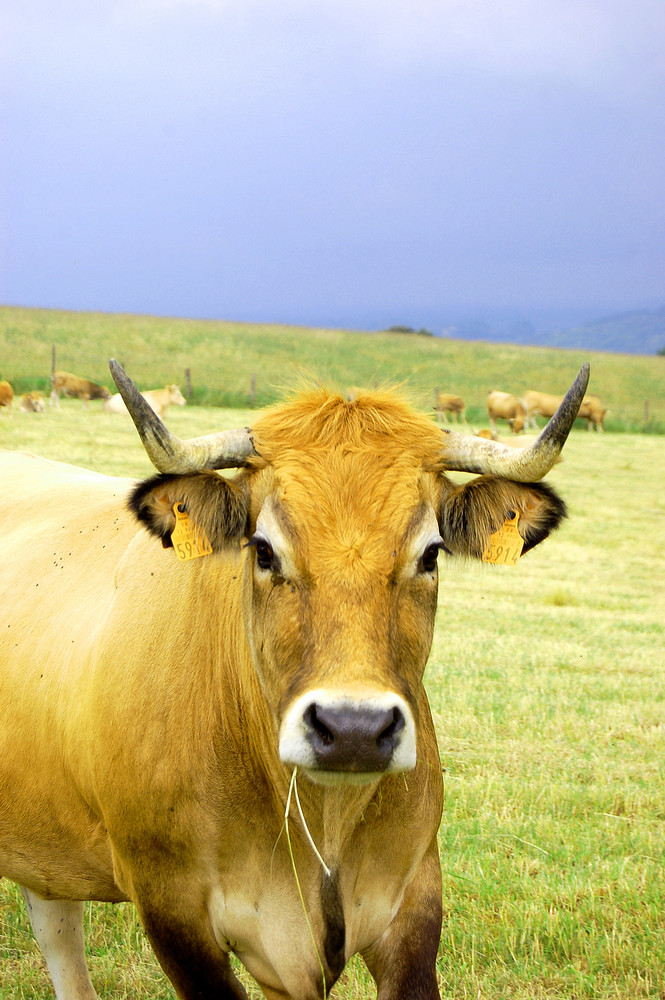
[[63, 531]]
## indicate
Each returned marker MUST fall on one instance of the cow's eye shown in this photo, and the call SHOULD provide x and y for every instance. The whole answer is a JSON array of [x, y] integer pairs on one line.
[[265, 557], [428, 559]]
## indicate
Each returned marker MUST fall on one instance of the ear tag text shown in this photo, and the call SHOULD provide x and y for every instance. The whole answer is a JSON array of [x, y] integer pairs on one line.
[[188, 541], [505, 545]]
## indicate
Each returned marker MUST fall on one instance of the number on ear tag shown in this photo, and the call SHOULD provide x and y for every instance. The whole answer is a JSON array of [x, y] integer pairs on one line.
[[505, 545], [189, 542]]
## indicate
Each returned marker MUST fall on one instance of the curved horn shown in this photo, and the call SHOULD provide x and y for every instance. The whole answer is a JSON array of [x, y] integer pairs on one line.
[[224, 450], [465, 453]]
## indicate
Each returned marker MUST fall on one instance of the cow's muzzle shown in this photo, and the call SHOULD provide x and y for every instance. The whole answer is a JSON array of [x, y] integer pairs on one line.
[[335, 737]]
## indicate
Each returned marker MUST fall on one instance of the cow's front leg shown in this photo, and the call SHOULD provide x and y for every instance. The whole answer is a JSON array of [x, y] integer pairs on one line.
[[186, 949], [58, 926], [403, 960]]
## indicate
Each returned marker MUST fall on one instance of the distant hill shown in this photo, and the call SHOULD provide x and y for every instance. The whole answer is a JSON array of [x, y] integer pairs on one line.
[[638, 332], [641, 332]]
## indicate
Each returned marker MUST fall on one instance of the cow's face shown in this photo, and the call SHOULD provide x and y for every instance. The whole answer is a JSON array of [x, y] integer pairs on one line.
[[175, 396], [340, 541], [341, 582]]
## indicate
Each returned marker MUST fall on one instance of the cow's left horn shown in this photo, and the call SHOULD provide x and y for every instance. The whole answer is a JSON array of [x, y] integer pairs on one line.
[[224, 450], [466, 453]]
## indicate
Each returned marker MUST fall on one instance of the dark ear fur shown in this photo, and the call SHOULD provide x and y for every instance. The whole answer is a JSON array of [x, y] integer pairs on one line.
[[470, 513], [217, 505]]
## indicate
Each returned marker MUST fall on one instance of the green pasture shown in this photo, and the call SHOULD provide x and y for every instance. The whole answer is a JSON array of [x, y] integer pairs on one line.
[[547, 688], [237, 364]]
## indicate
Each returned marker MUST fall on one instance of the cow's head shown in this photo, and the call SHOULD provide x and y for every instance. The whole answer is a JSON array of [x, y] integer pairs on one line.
[[341, 510]]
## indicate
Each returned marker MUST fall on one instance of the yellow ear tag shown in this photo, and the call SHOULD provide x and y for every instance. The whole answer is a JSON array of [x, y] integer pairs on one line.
[[505, 545], [189, 542]]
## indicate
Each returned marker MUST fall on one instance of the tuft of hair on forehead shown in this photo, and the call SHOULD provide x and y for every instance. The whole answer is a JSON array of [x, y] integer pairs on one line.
[[318, 420]]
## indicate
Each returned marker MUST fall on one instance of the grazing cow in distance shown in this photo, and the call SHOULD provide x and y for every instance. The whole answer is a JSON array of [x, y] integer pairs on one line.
[[593, 411], [540, 404], [353, 392], [228, 725], [447, 402], [503, 406], [545, 405], [76, 387], [514, 442], [6, 397], [158, 399], [32, 402]]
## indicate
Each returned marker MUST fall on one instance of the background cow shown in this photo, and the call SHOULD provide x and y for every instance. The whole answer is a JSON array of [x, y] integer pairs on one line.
[[76, 387], [540, 404], [32, 402], [447, 402], [593, 411], [6, 397], [159, 400], [228, 724], [545, 405], [503, 406]]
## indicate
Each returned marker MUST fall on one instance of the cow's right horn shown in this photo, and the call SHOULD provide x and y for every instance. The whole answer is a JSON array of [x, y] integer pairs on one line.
[[466, 453], [223, 450]]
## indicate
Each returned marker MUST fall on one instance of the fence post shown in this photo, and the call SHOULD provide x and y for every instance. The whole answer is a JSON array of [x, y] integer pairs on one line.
[[646, 411], [188, 383], [252, 390]]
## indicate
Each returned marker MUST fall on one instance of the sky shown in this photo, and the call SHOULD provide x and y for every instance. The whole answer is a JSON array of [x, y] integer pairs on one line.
[[332, 162]]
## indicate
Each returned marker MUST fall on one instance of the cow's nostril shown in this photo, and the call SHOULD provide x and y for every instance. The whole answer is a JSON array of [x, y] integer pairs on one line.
[[394, 727], [316, 726]]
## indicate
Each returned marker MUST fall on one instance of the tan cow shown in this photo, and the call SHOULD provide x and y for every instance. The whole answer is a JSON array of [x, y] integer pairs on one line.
[[545, 405], [447, 402], [240, 742], [6, 397], [514, 442], [159, 400], [593, 411], [32, 402], [503, 406], [540, 404], [76, 387]]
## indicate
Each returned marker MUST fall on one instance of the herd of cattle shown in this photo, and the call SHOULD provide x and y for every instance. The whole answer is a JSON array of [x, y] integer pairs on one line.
[[64, 383], [519, 412]]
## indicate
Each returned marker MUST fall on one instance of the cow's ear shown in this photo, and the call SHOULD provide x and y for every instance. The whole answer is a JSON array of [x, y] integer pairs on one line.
[[217, 505], [470, 513]]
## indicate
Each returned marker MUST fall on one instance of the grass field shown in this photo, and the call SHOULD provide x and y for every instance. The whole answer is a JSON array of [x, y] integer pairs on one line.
[[225, 360], [546, 684]]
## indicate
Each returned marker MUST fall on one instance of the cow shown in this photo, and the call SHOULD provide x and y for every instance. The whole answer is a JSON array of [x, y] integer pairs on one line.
[[503, 406], [6, 397], [76, 387], [514, 442], [545, 405], [447, 402], [159, 400], [32, 402], [227, 725], [540, 404], [593, 411]]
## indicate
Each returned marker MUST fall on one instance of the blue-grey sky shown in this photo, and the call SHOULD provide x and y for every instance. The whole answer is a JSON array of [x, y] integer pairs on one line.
[[332, 161]]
